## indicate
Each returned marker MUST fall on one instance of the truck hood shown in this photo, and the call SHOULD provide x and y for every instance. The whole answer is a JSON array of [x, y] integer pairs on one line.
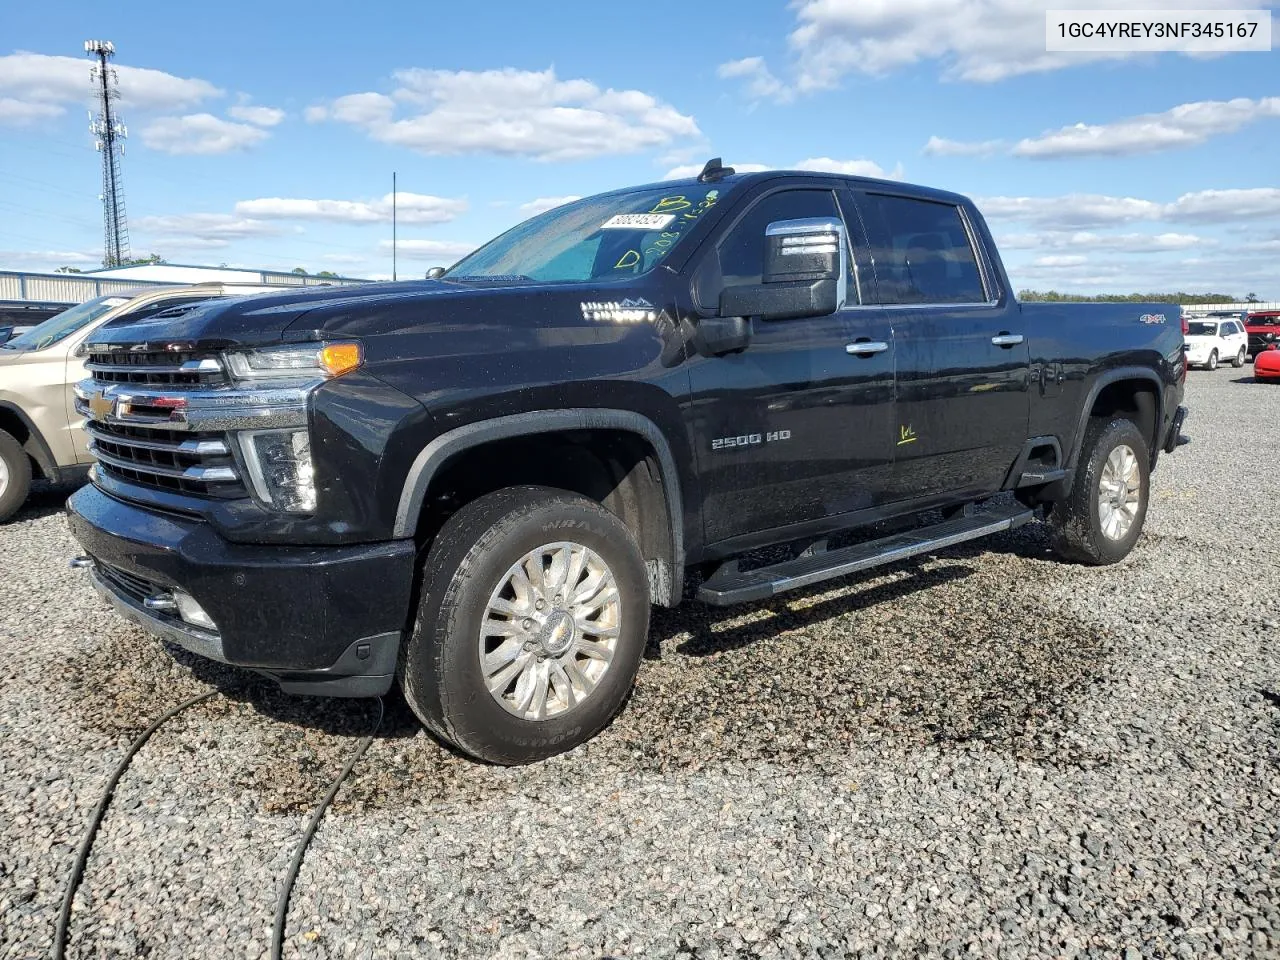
[[370, 310], [260, 319]]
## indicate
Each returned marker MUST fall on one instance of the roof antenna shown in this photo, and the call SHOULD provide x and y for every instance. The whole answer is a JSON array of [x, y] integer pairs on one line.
[[714, 171]]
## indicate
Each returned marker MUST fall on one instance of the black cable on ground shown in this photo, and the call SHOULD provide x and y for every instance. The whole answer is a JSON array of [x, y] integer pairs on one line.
[[86, 844], [282, 906]]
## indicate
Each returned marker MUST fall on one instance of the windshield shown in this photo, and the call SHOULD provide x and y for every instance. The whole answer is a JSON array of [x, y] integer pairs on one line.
[[62, 325], [1263, 320], [606, 237], [1201, 328]]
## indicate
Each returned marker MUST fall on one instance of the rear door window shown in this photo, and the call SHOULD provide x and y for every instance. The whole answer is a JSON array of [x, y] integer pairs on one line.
[[921, 250]]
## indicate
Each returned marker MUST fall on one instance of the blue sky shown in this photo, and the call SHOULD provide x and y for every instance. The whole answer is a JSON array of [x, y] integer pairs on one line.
[[266, 134]]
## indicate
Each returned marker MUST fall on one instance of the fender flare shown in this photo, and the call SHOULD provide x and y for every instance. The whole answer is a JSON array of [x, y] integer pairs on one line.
[[1101, 383], [36, 447], [434, 455]]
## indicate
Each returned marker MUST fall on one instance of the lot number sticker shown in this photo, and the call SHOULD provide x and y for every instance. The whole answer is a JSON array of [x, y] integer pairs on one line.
[[638, 221]]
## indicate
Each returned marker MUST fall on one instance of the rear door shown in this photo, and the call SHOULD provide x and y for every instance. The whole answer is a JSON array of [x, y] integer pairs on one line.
[[959, 343], [796, 428]]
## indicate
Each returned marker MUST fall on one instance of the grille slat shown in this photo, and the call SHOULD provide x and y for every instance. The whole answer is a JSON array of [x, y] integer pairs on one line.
[[161, 368]]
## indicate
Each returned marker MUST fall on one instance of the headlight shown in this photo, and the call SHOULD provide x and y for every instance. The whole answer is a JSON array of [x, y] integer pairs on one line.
[[279, 464], [295, 360]]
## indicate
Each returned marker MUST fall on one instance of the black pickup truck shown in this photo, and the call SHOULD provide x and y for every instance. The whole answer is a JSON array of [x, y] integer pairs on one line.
[[476, 485]]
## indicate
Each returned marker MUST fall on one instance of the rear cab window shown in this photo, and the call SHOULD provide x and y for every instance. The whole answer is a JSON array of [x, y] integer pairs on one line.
[[922, 251]]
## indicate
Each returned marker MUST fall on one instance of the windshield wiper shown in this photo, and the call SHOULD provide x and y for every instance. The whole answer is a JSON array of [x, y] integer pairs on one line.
[[495, 278]]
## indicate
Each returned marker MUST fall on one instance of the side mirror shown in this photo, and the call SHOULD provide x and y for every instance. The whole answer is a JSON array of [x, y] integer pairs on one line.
[[805, 264], [6, 334], [435, 273]]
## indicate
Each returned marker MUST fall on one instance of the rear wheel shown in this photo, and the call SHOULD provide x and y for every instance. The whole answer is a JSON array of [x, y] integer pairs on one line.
[[1212, 362], [533, 619], [15, 475], [1102, 517], [1238, 362]]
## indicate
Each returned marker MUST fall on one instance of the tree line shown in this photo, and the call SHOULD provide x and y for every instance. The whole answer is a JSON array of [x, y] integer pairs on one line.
[[1053, 296]]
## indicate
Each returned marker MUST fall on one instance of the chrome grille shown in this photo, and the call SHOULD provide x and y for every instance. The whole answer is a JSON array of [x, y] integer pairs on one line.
[[181, 461], [164, 368]]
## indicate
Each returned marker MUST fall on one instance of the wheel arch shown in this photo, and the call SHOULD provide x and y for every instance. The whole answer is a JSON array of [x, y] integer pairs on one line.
[[653, 510], [1135, 390], [14, 421]]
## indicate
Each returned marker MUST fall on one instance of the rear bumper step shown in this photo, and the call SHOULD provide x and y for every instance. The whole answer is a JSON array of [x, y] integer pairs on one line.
[[732, 586]]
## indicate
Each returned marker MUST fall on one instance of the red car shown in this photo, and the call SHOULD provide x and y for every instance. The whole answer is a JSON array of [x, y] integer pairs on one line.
[[1266, 365], [1263, 328]]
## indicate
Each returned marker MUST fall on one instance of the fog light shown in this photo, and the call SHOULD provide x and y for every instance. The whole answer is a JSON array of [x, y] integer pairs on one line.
[[192, 612]]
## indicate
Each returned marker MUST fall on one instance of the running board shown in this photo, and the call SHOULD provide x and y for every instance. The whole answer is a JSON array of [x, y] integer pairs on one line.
[[729, 585]]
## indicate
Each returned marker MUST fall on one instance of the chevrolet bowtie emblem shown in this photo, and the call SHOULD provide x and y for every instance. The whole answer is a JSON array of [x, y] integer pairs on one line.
[[101, 406]]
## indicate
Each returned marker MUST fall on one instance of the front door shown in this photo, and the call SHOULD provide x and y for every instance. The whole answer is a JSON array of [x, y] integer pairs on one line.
[[795, 428], [960, 346]]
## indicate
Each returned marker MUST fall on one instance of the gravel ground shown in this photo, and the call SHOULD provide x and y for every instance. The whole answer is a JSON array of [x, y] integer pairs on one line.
[[984, 753]]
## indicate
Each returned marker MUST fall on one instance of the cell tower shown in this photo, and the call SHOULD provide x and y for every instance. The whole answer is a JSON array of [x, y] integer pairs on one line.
[[110, 133]]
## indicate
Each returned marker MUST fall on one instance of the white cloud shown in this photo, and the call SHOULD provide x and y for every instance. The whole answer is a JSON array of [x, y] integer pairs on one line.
[[215, 226], [1082, 210], [1226, 206], [853, 168], [1057, 261], [758, 80], [1072, 210], [409, 208], [19, 112], [48, 260], [941, 147], [542, 204], [1117, 242], [850, 168], [442, 252], [978, 41], [53, 83], [1185, 125], [200, 133], [509, 112], [258, 116]]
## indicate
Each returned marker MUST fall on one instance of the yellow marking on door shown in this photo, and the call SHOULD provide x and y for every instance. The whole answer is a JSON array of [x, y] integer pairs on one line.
[[906, 435]]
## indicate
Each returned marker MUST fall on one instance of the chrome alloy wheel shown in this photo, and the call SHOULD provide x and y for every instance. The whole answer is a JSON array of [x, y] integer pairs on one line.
[[550, 630], [4, 476], [1119, 491]]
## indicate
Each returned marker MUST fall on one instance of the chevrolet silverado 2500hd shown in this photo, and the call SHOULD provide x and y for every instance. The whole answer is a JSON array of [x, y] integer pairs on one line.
[[476, 485]]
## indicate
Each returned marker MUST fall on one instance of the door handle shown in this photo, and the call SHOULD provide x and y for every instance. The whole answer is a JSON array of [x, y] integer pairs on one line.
[[865, 348], [1007, 339]]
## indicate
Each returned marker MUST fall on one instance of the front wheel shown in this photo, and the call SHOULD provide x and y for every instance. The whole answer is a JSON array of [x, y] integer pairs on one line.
[[533, 619], [1212, 362], [1238, 362], [1102, 517]]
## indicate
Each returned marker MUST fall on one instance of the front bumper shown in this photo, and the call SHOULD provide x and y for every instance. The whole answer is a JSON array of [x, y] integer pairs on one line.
[[323, 620]]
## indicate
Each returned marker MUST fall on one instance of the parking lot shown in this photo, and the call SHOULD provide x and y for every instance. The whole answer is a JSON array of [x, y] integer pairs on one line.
[[987, 752]]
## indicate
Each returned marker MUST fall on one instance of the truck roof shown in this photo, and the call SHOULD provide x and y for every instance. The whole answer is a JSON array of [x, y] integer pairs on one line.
[[748, 179]]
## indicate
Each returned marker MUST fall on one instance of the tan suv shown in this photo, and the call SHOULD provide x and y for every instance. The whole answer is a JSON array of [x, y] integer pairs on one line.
[[40, 433]]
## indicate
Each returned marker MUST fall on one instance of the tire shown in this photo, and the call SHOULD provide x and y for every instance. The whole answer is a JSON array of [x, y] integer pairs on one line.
[[15, 476], [1078, 521], [1238, 362], [1212, 362], [471, 565]]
